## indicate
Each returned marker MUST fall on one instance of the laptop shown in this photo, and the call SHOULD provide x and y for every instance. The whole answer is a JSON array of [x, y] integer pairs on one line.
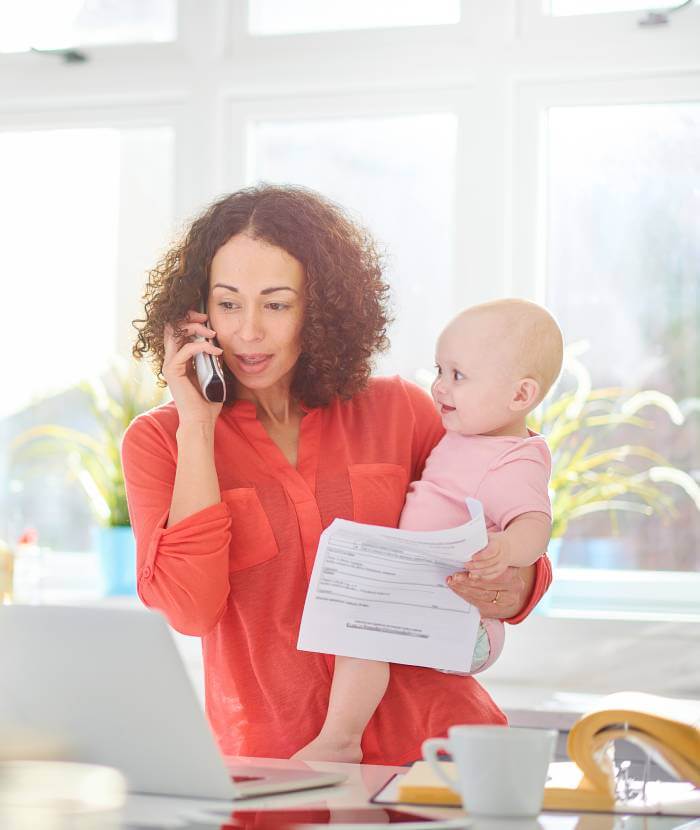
[[109, 684]]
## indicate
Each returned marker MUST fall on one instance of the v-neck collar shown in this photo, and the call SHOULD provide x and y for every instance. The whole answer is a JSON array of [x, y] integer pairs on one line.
[[244, 410], [302, 478]]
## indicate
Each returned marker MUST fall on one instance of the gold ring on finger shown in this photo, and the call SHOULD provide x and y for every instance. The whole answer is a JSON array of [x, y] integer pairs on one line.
[[495, 598]]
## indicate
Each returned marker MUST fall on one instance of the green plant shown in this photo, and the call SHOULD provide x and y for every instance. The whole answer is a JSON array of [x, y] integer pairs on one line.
[[591, 470], [93, 459]]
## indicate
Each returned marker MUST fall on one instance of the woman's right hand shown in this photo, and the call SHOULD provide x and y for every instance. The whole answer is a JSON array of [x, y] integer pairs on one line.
[[179, 371]]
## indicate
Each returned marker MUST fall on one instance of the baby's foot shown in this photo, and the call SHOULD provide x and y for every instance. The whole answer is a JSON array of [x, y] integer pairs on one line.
[[324, 748]]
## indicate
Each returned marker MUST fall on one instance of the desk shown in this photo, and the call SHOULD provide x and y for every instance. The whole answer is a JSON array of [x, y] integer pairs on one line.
[[362, 782]]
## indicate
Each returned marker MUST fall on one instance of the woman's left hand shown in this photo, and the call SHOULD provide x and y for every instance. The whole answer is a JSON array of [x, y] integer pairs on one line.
[[497, 598]]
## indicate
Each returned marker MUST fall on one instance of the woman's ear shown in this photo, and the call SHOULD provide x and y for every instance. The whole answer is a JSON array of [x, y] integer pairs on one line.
[[525, 395]]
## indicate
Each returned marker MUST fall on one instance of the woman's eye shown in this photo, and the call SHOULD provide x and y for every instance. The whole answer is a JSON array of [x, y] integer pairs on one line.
[[277, 306], [227, 305]]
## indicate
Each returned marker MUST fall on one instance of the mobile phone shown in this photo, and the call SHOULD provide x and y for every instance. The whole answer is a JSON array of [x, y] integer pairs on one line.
[[209, 372]]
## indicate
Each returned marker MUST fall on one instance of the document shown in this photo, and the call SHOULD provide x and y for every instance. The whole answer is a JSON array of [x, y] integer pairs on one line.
[[380, 593]]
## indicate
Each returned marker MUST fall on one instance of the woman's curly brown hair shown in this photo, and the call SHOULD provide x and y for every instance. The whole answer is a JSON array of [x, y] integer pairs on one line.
[[346, 300]]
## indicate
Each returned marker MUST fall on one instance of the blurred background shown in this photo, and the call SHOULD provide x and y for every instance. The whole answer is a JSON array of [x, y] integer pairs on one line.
[[549, 150]]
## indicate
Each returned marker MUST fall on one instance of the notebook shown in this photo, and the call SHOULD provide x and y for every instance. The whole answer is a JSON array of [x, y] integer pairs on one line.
[[109, 685]]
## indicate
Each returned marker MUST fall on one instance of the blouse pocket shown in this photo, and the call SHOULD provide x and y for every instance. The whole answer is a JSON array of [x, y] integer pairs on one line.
[[378, 493], [252, 539]]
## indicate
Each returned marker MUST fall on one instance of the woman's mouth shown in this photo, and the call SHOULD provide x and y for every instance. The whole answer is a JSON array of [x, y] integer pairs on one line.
[[253, 364]]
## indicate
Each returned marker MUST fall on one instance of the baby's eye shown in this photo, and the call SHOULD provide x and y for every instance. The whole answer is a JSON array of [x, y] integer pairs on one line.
[[438, 370], [457, 375]]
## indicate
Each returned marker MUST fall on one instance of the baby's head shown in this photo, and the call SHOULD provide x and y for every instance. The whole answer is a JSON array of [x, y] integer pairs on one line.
[[496, 361]]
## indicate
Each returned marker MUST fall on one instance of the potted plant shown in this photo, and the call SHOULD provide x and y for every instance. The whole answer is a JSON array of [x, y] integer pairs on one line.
[[591, 470], [93, 461]]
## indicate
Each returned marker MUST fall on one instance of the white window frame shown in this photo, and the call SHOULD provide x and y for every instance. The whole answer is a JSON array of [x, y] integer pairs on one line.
[[532, 100], [535, 21], [155, 114], [582, 592], [245, 113], [498, 69]]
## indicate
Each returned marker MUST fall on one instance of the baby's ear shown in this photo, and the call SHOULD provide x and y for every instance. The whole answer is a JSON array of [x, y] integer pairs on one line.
[[525, 395]]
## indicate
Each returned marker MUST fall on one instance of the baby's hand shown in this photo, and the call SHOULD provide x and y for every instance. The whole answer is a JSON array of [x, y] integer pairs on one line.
[[490, 561]]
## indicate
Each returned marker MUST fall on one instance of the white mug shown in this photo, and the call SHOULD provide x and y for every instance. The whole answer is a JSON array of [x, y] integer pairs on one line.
[[501, 770]]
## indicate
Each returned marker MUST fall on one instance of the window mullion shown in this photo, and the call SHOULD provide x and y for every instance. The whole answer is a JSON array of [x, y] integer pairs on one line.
[[200, 128]]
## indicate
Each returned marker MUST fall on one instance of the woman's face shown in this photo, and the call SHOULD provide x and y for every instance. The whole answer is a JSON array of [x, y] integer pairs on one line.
[[256, 307]]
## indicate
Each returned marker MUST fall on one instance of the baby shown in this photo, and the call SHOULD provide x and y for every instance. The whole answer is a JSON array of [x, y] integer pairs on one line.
[[495, 363]]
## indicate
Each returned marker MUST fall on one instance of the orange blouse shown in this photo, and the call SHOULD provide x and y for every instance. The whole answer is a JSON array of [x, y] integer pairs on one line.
[[236, 573]]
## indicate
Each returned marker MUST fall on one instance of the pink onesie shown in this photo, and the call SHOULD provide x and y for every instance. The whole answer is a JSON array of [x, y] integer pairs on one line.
[[509, 476]]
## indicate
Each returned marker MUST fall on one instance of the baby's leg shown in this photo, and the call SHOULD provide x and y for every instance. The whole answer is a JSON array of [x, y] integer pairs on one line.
[[357, 688], [490, 638], [489, 645]]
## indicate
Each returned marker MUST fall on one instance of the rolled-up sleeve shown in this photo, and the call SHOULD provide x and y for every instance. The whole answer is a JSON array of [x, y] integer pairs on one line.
[[543, 579], [182, 570]]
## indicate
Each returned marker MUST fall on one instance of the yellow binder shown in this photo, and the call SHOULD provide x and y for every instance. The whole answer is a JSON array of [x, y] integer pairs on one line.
[[667, 730]]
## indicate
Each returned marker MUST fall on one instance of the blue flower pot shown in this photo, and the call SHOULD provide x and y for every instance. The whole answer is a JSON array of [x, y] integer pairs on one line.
[[117, 552]]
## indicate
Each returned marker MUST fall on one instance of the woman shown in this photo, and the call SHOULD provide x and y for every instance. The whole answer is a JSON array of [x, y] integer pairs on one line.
[[228, 502]]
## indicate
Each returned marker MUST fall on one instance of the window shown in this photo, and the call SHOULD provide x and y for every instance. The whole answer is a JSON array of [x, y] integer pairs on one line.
[[88, 210], [385, 171], [573, 7], [624, 273], [531, 148], [275, 17], [58, 24]]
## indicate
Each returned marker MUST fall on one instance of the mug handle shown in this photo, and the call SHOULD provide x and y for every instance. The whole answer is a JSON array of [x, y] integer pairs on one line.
[[430, 749]]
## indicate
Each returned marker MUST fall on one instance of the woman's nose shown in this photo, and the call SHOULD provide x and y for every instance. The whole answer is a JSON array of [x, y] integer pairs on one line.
[[250, 328]]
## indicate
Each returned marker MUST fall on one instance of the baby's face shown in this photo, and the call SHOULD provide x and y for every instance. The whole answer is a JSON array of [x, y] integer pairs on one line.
[[477, 376]]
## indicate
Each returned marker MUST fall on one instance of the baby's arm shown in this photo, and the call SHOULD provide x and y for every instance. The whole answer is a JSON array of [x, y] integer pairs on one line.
[[521, 543]]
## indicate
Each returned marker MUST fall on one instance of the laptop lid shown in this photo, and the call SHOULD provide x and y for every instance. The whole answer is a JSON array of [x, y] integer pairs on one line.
[[110, 685]]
